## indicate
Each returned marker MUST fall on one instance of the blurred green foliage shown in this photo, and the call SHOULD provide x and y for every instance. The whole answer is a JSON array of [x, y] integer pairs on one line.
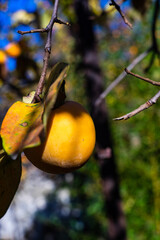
[[136, 141]]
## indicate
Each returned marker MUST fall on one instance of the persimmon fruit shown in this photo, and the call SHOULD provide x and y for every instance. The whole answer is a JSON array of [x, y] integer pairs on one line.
[[13, 49], [2, 57], [69, 142]]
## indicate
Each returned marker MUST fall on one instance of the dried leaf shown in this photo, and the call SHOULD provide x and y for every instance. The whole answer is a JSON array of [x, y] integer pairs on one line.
[[18, 127], [29, 98], [10, 174], [56, 94], [59, 69]]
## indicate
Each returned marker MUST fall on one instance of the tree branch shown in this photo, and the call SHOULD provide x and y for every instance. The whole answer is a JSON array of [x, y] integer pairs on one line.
[[47, 49], [154, 22], [142, 78], [153, 33], [121, 76], [42, 30], [144, 106], [113, 3]]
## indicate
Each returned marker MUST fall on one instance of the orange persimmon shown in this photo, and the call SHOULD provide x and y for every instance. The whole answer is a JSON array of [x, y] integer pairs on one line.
[[70, 140]]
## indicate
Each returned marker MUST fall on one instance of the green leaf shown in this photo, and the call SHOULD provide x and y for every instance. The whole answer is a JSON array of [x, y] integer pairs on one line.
[[10, 174]]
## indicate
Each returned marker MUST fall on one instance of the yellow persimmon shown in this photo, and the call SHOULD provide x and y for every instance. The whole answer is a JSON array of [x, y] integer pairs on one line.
[[13, 49], [70, 140], [2, 57]]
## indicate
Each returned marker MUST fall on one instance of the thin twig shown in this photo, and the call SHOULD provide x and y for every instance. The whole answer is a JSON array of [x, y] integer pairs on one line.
[[47, 49], [47, 53], [113, 3], [156, 51], [121, 76], [62, 22], [142, 78], [41, 30], [154, 23], [144, 106]]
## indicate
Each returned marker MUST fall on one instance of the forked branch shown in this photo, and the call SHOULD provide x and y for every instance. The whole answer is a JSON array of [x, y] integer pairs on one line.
[[144, 106], [47, 49]]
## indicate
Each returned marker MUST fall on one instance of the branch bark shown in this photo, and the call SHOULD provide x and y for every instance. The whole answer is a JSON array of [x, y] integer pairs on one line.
[[154, 24], [117, 7], [144, 106], [142, 78], [47, 49], [153, 34]]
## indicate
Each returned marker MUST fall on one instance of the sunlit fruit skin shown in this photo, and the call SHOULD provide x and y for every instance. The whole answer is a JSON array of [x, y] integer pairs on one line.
[[69, 143], [13, 50]]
